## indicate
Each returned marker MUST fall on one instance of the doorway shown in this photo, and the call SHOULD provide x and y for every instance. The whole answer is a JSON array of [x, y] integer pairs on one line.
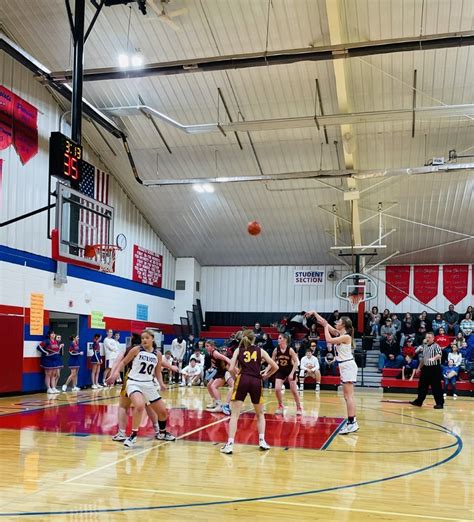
[[65, 325]]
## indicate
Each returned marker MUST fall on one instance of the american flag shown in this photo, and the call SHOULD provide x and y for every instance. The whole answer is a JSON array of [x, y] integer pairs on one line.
[[94, 184]]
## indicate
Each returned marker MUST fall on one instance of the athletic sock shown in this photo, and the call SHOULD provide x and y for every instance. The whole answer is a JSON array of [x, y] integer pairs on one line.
[[134, 434], [261, 437], [156, 427], [162, 425], [351, 420], [230, 441]]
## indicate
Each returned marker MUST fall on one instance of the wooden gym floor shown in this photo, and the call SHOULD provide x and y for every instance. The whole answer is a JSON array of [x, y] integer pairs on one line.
[[58, 462]]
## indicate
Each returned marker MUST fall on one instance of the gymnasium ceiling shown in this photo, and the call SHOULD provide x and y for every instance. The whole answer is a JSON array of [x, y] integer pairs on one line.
[[424, 211]]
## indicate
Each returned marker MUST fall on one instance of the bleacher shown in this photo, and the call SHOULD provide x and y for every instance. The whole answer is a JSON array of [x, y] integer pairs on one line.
[[392, 383]]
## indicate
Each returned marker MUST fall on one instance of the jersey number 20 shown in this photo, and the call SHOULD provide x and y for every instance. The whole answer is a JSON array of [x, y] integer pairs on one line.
[[146, 369], [250, 356]]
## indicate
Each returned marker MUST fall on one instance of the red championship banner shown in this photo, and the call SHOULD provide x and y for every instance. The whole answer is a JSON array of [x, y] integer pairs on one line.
[[147, 266], [455, 282], [7, 99], [397, 283], [425, 283], [25, 129]]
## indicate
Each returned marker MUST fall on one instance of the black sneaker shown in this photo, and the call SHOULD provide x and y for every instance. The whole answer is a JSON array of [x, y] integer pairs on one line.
[[438, 406], [414, 403]]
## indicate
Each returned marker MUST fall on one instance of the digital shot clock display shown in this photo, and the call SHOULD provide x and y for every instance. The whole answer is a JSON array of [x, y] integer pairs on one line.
[[65, 158]]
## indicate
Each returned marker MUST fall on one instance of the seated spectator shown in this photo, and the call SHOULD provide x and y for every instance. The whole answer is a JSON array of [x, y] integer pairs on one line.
[[420, 334], [442, 341], [455, 355], [313, 346], [423, 318], [257, 330], [313, 333], [467, 325], [300, 349], [198, 356], [170, 373], [309, 367], [298, 323], [452, 319], [385, 315], [387, 329], [375, 321], [438, 323], [408, 330], [393, 361], [283, 325], [409, 348], [396, 323], [450, 375], [191, 374], [328, 361], [389, 347], [267, 344], [459, 339], [334, 317], [408, 369], [407, 318]]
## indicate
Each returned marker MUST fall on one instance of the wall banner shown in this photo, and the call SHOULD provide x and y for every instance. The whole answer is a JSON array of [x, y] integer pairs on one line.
[[309, 277], [36, 314], [397, 283], [147, 266], [425, 282], [455, 282]]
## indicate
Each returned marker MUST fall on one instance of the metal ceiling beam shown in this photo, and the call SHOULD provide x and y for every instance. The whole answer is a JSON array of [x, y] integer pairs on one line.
[[321, 174], [423, 114], [279, 57]]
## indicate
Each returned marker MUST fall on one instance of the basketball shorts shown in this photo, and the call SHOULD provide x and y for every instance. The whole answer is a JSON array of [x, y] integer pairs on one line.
[[248, 385], [284, 376], [220, 374], [147, 389], [348, 371]]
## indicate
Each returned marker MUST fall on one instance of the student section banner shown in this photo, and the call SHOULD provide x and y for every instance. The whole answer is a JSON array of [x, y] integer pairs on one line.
[[425, 282], [147, 266], [455, 282], [309, 277], [397, 283]]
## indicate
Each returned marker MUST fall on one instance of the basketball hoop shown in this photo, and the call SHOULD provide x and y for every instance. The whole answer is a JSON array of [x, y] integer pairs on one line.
[[355, 300], [356, 289], [105, 255]]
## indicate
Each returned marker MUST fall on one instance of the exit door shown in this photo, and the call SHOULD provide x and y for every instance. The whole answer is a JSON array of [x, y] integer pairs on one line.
[[65, 325]]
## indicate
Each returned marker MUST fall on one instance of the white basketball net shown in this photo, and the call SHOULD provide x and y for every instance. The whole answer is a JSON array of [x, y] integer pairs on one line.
[[105, 256]]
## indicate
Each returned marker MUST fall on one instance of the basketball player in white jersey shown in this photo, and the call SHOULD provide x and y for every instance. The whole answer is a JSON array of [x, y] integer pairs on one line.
[[145, 365], [347, 366]]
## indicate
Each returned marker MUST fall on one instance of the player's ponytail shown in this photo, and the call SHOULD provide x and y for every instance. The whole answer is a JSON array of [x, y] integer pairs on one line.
[[248, 339], [348, 325]]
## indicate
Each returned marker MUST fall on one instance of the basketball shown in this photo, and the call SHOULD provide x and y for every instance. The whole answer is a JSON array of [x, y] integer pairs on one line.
[[254, 228]]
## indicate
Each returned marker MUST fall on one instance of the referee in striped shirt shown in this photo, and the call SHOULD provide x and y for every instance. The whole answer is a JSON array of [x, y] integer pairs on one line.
[[431, 374]]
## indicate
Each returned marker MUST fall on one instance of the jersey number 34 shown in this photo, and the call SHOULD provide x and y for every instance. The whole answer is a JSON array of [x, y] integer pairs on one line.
[[250, 356]]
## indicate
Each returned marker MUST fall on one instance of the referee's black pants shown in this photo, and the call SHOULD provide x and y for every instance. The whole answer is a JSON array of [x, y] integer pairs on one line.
[[430, 376]]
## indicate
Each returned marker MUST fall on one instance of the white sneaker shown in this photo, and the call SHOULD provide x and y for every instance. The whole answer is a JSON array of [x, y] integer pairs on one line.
[[299, 412], [190, 384], [318, 388], [76, 389], [119, 436], [94, 386], [64, 388], [282, 387], [215, 409], [349, 428], [99, 386], [50, 390], [182, 384], [301, 387], [279, 410], [263, 445], [130, 442], [444, 395], [455, 396], [55, 390], [227, 449]]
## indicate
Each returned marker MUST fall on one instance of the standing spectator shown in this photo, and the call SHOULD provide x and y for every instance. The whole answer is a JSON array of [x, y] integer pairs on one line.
[[408, 368], [190, 341], [120, 350], [438, 323], [328, 361], [96, 361], [467, 325], [178, 349], [430, 373], [335, 316], [74, 364], [309, 367], [387, 329], [374, 321], [50, 361], [450, 375], [408, 331], [452, 318], [389, 351], [111, 352]]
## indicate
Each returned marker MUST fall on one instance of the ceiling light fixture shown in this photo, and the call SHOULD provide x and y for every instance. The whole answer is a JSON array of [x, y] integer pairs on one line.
[[198, 188], [203, 188]]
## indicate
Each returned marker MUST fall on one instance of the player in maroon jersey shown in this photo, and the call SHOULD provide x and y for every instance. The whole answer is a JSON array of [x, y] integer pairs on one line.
[[288, 362], [248, 358], [221, 377]]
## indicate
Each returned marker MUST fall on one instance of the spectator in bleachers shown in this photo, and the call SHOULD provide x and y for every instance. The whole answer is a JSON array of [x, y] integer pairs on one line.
[[375, 321], [467, 325], [408, 369], [423, 318], [267, 344], [300, 349], [334, 317], [407, 318], [178, 349], [455, 355], [385, 316], [389, 351], [387, 329], [190, 342], [450, 376], [408, 330], [392, 361], [397, 324], [452, 319], [313, 333], [298, 323], [420, 333], [438, 323], [191, 374], [328, 361], [283, 325], [171, 361], [443, 341], [257, 330], [309, 367], [459, 339], [409, 348], [111, 351]]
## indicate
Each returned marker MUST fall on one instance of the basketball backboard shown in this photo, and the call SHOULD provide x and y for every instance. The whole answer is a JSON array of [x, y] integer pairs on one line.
[[356, 289]]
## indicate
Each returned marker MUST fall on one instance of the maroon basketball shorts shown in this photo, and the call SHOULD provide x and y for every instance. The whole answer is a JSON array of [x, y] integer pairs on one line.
[[248, 385], [284, 376]]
